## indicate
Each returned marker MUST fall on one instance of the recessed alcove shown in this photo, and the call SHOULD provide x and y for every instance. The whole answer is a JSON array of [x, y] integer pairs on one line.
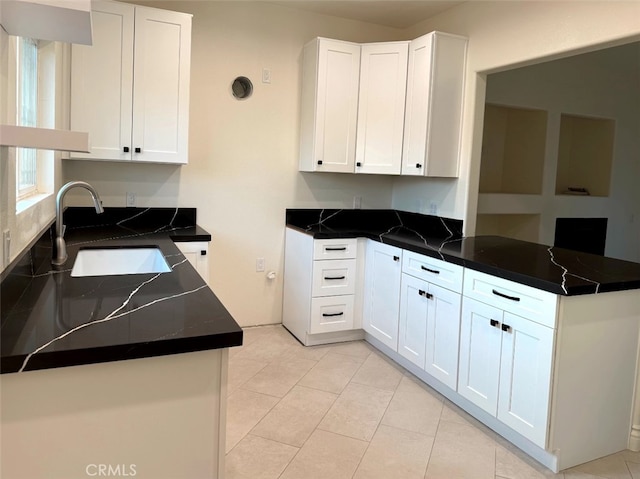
[[513, 150], [525, 227], [585, 155]]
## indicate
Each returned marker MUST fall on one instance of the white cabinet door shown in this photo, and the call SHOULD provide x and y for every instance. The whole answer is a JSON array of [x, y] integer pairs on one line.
[[102, 83], [443, 333], [130, 89], [383, 83], [197, 252], [480, 342], [525, 377], [161, 86], [435, 87], [383, 271], [330, 79], [412, 327]]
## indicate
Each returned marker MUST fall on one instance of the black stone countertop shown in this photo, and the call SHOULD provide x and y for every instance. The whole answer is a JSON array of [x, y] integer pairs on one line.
[[50, 319], [557, 270]]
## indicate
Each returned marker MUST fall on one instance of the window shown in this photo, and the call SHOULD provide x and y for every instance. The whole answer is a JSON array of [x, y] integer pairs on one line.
[[27, 114]]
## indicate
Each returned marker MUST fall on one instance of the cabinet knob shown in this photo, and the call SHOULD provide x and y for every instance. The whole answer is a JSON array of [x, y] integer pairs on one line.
[[203, 252], [418, 165], [494, 323], [506, 328], [138, 150], [126, 149], [319, 162], [396, 258], [358, 164]]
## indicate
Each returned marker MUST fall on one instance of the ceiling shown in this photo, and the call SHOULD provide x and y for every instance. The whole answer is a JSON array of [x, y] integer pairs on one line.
[[391, 13]]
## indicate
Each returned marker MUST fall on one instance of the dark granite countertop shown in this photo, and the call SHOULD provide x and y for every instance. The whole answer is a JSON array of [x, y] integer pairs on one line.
[[557, 270], [50, 319]]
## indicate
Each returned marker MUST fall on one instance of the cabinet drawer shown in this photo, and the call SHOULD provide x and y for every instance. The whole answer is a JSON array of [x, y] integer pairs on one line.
[[531, 303], [331, 313], [334, 248], [433, 270], [334, 277]]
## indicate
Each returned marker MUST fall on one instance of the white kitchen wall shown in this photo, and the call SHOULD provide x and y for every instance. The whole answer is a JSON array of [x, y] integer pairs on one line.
[[505, 35], [602, 84], [242, 172]]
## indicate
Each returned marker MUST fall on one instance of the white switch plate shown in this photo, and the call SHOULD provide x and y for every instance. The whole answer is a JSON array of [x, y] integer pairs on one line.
[[266, 75], [6, 243], [357, 202], [131, 200], [259, 265]]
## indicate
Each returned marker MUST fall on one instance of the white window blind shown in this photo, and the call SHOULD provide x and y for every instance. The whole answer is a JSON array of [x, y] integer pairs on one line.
[[27, 114]]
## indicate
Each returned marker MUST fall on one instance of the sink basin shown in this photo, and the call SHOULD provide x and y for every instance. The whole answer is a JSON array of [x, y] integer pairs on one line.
[[113, 261]]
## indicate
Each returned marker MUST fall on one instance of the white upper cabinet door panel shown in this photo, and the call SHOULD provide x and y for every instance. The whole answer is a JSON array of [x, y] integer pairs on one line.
[[383, 83], [102, 83], [161, 87], [330, 79], [433, 121]]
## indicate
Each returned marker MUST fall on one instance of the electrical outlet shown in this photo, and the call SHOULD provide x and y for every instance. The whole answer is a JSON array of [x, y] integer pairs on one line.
[[266, 75], [357, 202], [6, 242], [259, 265], [131, 199]]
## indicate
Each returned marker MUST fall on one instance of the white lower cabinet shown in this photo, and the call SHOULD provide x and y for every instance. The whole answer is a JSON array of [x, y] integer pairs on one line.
[[383, 270], [505, 367], [321, 288], [197, 252]]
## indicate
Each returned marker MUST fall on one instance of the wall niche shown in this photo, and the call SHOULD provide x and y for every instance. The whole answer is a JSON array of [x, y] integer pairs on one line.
[[585, 155]]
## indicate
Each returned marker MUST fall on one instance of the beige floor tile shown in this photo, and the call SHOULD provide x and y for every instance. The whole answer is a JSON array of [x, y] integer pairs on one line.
[[378, 373], [326, 456], [315, 353], [516, 465], [296, 416], [240, 371], [395, 453], [631, 456], [461, 452], [414, 408], [357, 349], [258, 458], [452, 413], [244, 410], [332, 373], [579, 475], [634, 469], [277, 378], [611, 467], [357, 412]]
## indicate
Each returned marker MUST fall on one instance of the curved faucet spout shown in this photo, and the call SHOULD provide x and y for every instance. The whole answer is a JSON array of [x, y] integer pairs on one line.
[[61, 247]]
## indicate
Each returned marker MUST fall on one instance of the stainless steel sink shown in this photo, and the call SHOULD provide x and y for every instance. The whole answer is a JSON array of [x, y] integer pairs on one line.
[[114, 261]]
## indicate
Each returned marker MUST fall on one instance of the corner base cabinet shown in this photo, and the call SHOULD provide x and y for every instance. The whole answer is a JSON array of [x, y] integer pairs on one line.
[[130, 89], [197, 253]]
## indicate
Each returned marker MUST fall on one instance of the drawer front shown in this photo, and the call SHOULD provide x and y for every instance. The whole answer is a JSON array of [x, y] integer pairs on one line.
[[531, 303], [334, 248], [333, 277], [331, 313], [433, 270]]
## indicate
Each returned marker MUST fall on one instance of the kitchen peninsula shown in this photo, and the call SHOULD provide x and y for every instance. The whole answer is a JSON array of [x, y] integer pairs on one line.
[[539, 343], [127, 371]]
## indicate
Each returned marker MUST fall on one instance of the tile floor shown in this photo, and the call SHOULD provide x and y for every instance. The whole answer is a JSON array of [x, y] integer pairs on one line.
[[345, 411]]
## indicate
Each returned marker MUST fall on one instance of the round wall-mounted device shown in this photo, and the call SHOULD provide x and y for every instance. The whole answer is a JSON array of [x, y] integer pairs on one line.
[[242, 88]]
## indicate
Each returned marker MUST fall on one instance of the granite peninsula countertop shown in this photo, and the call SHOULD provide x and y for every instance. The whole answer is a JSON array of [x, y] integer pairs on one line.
[[50, 319], [556, 270]]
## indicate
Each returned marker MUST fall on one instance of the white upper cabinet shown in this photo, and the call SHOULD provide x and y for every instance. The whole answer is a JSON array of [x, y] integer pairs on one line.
[[432, 124], [331, 72], [383, 83], [130, 90]]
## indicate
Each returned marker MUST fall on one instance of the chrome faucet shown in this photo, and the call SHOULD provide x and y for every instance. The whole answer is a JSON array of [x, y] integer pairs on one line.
[[61, 247]]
